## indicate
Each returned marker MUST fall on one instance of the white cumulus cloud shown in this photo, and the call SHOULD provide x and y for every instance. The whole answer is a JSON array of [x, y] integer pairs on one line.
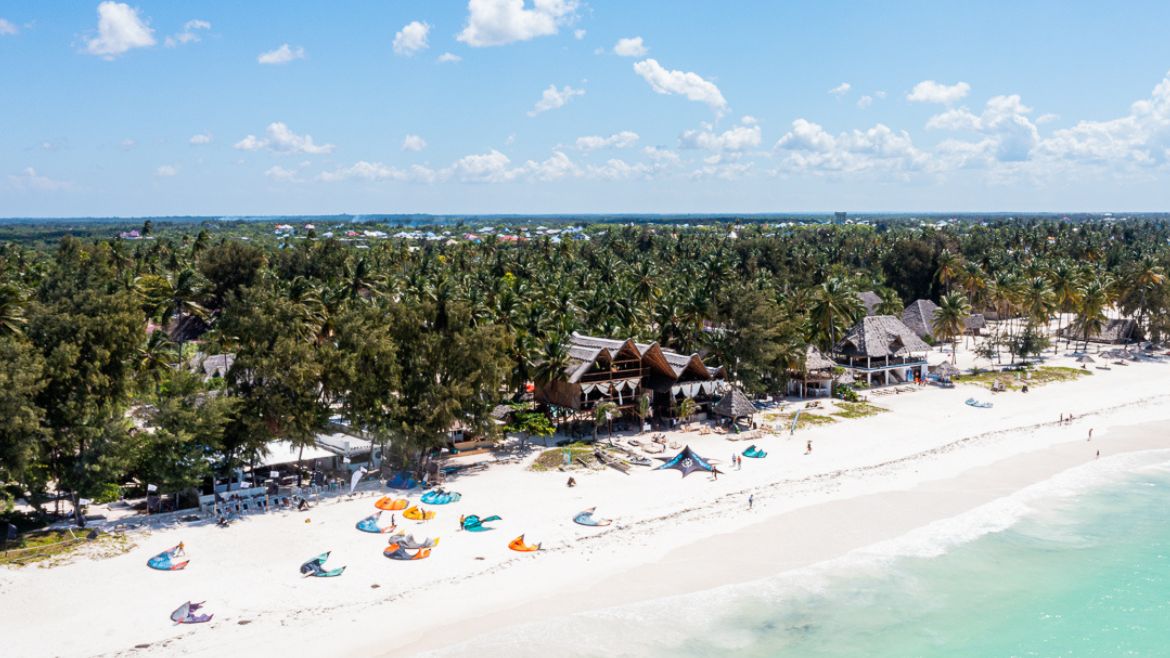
[[448, 58], [745, 136], [120, 29], [29, 179], [619, 140], [1004, 121], [684, 83], [201, 138], [500, 22], [190, 33], [810, 148], [7, 29], [578, 34], [280, 139], [411, 38], [865, 101], [929, 91], [282, 55], [413, 143], [553, 98], [630, 47], [841, 89]]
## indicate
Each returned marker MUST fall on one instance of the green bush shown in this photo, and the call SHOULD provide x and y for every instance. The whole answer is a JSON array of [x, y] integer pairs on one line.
[[107, 493]]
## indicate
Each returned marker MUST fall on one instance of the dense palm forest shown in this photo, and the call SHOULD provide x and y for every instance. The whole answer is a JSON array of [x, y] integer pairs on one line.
[[402, 338]]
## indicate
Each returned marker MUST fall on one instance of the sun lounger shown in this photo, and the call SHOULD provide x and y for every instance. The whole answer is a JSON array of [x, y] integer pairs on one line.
[[654, 448]]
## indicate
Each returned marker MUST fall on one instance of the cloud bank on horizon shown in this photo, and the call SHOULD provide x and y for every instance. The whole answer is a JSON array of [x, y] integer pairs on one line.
[[563, 106]]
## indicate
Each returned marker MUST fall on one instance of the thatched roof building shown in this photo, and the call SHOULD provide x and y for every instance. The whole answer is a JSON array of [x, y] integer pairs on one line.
[[734, 405], [871, 300], [604, 370], [814, 360], [919, 316], [1116, 330], [878, 336]]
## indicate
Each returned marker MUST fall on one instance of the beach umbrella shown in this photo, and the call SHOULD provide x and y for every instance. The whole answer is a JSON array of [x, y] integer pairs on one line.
[[1085, 358]]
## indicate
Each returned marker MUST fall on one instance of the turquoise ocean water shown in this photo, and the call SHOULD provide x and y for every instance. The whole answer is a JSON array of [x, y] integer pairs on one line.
[[1075, 566]]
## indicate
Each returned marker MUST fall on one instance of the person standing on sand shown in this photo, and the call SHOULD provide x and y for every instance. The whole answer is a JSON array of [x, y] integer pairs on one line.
[[1090, 434], [808, 447], [751, 500], [1098, 454]]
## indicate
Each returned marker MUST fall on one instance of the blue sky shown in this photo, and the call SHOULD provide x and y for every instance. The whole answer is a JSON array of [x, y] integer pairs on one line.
[[160, 108]]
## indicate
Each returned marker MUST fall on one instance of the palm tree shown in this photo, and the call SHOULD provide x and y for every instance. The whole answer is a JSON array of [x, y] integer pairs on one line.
[[949, 267], [1142, 279], [603, 414], [686, 409], [1094, 298], [950, 319], [156, 357], [834, 307], [890, 303], [643, 408], [1066, 292]]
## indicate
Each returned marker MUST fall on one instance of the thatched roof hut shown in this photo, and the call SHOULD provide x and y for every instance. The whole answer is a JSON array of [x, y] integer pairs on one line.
[[1117, 330], [734, 405], [919, 316], [870, 300], [975, 322], [880, 336], [815, 360]]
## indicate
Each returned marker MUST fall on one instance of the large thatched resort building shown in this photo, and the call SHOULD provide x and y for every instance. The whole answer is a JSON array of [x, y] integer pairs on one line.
[[620, 371], [881, 350]]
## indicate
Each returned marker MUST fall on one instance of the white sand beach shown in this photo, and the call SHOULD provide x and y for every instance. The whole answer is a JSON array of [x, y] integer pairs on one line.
[[867, 480]]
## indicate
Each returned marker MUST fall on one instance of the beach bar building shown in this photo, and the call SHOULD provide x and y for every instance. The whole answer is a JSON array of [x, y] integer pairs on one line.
[[881, 350], [621, 371], [815, 379]]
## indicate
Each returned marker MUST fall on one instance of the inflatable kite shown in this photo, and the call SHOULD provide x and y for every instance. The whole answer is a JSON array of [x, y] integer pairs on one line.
[[400, 552], [316, 567], [402, 480], [475, 524], [586, 518], [185, 614], [370, 524], [165, 561], [754, 453], [440, 497], [687, 462], [518, 544], [417, 514], [389, 504], [408, 541]]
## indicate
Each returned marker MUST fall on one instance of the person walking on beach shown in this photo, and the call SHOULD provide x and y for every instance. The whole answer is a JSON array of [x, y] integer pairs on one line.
[[808, 447], [752, 497], [1098, 454], [1090, 434]]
